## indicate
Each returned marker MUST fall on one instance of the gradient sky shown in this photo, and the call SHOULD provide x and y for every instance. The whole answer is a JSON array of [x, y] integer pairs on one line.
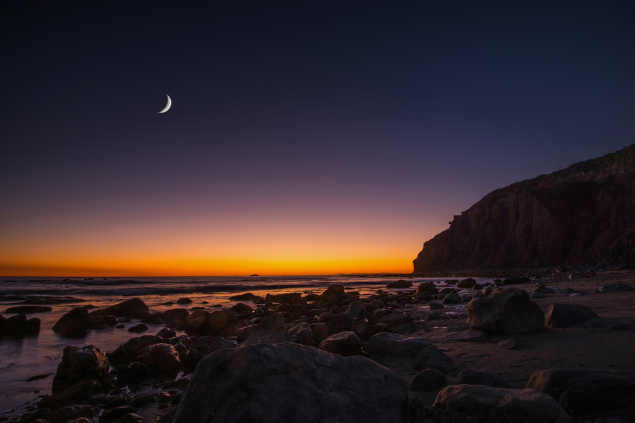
[[305, 137]]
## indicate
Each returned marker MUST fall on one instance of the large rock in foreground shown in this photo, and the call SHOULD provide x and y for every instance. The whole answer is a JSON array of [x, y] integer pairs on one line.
[[291, 383], [80, 363], [505, 311], [479, 403], [584, 391]]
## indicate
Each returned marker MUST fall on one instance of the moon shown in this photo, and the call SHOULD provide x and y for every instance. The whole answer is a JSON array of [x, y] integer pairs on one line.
[[167, 106]]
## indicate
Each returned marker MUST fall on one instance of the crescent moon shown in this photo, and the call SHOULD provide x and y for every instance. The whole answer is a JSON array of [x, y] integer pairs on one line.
[[167, 106]]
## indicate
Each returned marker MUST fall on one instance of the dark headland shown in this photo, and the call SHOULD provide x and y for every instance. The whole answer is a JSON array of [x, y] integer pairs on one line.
[[583, 215]]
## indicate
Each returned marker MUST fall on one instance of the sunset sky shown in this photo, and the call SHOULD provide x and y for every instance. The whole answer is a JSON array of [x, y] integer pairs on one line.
[[305, 137]]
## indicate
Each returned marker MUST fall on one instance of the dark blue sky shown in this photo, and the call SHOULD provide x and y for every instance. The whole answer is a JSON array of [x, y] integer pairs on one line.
[[409, 112]]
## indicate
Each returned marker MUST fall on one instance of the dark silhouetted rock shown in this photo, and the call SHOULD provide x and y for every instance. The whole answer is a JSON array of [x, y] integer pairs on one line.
[[386, 343], [433, 358], [451, 298], [610, 324], [115, 413], [271, 329], [466, 283], [566, 315], [241, 308], [79, 363], [163, 358], [29, 309], [340, 322], [614, 287], [128, 308], [75, 323], [248, 296], [470, 335], [399, 284], [505, 311], [481, 377], [396, 319], [128, 352], [582, 214], [344, 343], [18, 326], [582, 391], [291, 383], [166, 333], [302, 334], [334, 295], [72, 412], [516, 280], [427, 380], [175, 315], [184, 301], [102, 322], [356, 308], [479, 403], [141, 327], [428, 287]]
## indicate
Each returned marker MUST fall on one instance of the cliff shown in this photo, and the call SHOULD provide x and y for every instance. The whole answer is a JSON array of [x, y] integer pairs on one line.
[[584, 214]]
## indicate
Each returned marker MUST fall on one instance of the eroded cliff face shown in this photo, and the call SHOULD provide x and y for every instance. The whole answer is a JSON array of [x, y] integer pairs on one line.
[[584, 214]]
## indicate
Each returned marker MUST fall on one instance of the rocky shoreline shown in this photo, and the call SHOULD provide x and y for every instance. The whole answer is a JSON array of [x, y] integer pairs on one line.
[[556, 349]]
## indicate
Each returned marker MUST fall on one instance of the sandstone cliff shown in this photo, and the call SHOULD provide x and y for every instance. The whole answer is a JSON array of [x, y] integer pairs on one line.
[[584, 214]]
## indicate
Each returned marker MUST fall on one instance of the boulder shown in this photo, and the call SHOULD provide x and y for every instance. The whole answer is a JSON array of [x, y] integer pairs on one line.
[[18, 326], [210, 344], [75, 323], [386, 343], [399, 284], [128, 308], [617, 286], [73, 412], [175, 315], [242, 334], [141, 327], [129, 351], [302, 334], [333, 295], [427, 380], [356, 308], [241, 308], [451, 298], [345, 344], [162, 358], [428, 287], [116, 413], [584, 391], [433, 358], [166, 333], [340, 322], [220, 319], [470, 335], [79, 363], [320, 331], [103, 321], [481, 377], [154, 319], [466, 283], [184, 300], [436, 306], [479, 403], [505, 311], [515, 280], [248, 296], [28, 309], [610, 324], [291, 383], [271, 329], [566, 315], [396, 319]]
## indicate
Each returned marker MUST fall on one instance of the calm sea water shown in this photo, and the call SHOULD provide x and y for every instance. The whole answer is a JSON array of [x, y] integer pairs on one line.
[[23, 358]]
